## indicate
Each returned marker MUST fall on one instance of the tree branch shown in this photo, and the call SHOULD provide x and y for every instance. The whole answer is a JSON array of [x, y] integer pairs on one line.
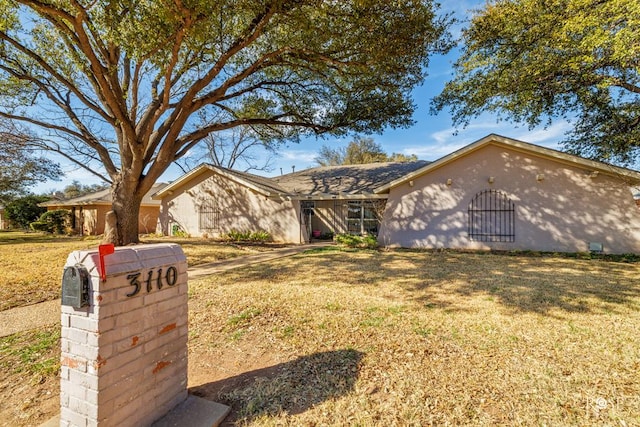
[[171, 127], [47, 67], [184, 143]]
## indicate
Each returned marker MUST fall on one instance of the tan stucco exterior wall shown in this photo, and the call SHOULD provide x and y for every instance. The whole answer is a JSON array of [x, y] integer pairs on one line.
[[91, 218], [148, 219], [563, 211], [4, 224], [239, 209]]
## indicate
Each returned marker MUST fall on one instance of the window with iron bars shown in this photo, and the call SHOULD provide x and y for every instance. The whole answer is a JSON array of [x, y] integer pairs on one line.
[[209, 218], [492, 217]]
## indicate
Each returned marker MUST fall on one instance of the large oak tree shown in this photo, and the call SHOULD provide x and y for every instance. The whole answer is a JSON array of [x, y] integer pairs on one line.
[[533, 61], [119, 82]]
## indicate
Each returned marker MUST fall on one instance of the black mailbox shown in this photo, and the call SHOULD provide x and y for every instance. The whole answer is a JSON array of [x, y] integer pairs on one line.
[[75, 286]]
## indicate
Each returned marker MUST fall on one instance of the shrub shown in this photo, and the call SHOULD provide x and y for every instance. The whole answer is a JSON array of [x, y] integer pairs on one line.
[[260, 236], [55, 221], [354, 241], [178, 231], [247, 236], [326, 236], [23, 211]]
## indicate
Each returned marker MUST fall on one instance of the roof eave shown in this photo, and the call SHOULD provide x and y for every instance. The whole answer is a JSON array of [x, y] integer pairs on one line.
[[339, 196], [518, 146]]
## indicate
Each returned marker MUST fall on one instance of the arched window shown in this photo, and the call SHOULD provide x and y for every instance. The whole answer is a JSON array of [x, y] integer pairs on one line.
[[492, 217]]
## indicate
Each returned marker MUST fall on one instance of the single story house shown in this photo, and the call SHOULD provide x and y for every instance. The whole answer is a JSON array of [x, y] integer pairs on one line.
[[496, 193], [88, 211]]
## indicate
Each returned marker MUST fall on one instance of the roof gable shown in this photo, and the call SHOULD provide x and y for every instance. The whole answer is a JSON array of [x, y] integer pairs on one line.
[[521, 146], [256, 183]]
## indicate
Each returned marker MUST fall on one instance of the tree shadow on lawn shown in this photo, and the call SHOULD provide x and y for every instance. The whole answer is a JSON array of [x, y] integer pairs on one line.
[[541, 286], [439, 280], [292, 387]]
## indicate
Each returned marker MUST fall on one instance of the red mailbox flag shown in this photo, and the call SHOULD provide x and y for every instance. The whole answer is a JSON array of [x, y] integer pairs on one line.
[[104, 250]]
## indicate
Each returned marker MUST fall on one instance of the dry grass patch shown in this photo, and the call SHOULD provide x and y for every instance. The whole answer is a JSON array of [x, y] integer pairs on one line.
[[405, 338], [32, 263], [394, 338], [29, 383], [32, 266]]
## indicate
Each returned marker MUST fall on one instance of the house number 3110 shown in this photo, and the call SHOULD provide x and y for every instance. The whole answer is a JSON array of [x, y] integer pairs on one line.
[[170, 277]]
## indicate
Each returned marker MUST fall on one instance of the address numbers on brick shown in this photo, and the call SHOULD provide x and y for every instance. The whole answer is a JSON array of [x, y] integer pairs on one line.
[[154, 277]]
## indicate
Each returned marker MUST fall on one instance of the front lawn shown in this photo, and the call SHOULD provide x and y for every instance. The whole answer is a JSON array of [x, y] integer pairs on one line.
[[420, 338], [32, 263], [381, 338]]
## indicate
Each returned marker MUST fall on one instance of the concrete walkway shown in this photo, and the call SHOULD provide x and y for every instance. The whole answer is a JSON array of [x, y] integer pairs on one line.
[[48, 313]]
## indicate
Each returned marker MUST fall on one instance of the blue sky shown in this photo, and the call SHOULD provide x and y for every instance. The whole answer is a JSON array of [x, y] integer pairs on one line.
[[430, 138]]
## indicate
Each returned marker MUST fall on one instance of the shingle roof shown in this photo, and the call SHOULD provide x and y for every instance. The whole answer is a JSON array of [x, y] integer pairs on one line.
[[345, 179], [328, 181], [103, 197]]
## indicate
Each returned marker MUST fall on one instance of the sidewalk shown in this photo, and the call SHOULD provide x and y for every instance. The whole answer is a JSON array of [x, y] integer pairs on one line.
[[48, 313]]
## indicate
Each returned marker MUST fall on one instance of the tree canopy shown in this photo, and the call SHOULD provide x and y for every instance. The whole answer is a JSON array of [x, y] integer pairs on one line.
[[24, 210], [533, 61], [117, 83], [20, 165], [359, 151]]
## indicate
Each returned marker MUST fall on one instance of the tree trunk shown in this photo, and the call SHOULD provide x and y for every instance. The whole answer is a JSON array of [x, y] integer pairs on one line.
[[126, 207]]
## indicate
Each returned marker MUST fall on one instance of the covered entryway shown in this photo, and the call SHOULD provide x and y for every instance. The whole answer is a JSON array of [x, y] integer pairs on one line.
[[322, 219]]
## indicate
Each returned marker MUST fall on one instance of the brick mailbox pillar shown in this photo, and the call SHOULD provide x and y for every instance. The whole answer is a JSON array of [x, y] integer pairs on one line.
[[124, 347]]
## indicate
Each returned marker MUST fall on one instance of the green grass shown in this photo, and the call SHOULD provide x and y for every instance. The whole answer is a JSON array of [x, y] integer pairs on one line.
[[34, 353], [243, 317]]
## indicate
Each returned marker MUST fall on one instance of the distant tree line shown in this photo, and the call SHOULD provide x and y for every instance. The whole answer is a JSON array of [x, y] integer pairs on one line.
[[359, 151]]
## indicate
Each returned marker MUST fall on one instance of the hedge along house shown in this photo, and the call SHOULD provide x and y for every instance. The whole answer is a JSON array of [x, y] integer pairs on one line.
[[212, 201], [503, 194], [88, 211]]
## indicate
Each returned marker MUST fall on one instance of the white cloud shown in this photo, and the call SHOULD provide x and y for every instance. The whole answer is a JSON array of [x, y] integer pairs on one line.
[[433, 151], [298, 156], [548, 137], [443, 142], [470, 133]]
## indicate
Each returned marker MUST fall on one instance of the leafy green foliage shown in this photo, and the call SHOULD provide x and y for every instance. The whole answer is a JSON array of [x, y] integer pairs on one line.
[[55, 221], [355, 241], [116, 87], [359, 151], [535, 60], [25, 210], [247, 236], [178, 231]]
